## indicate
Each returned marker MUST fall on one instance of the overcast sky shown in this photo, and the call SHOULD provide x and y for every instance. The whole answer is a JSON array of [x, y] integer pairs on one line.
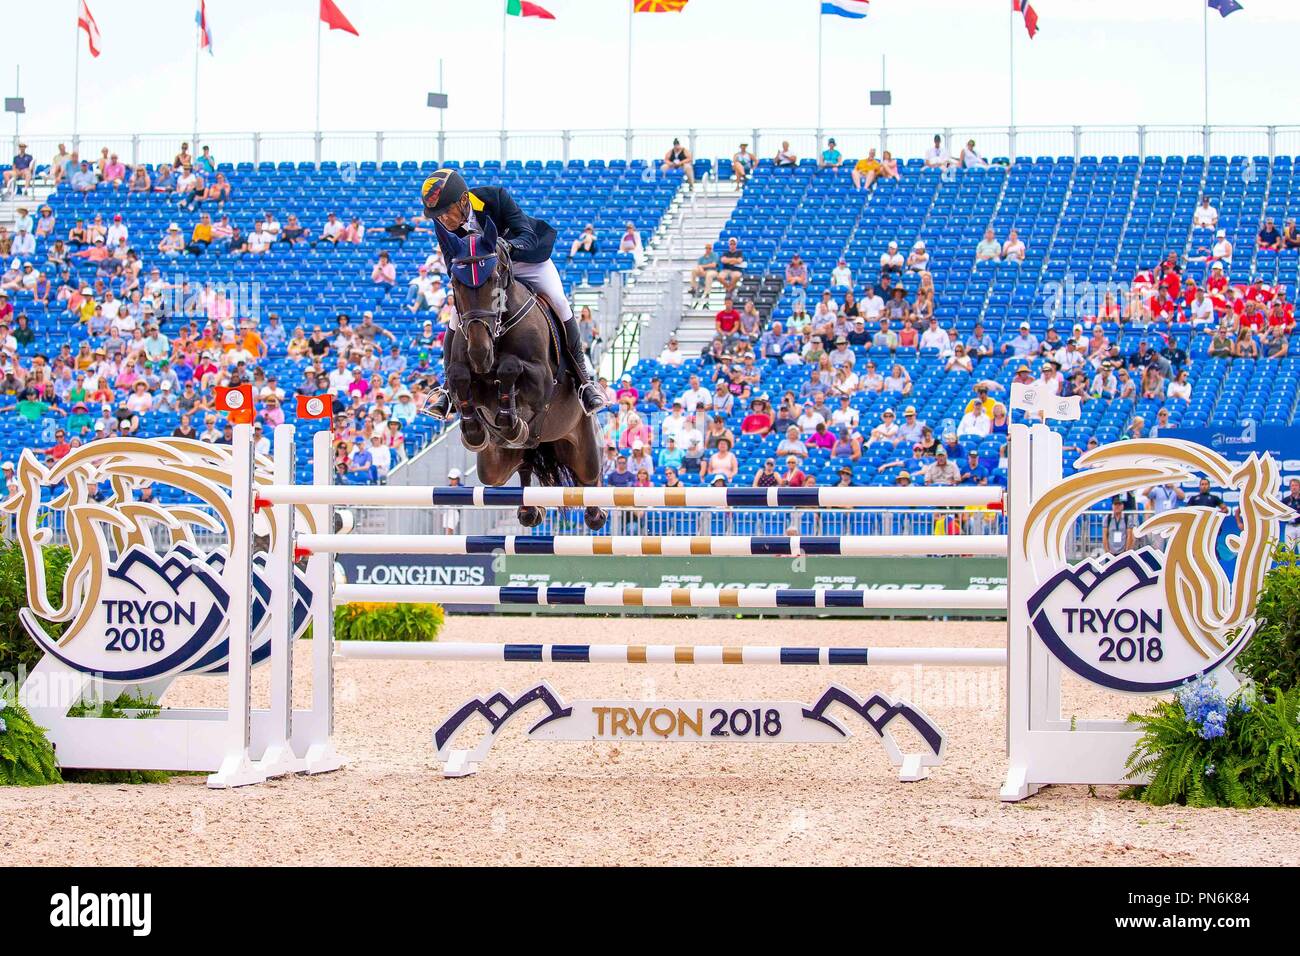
[[721, 63]]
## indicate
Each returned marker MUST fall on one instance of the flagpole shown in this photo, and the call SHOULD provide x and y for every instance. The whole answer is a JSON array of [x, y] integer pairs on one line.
[[505, 18], [198, 42], [631, 8], [819, 76], [318, 35], [1011, 57], [76, 77], [1205, 57]]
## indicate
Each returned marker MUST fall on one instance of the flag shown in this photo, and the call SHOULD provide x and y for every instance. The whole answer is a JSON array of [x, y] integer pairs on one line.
[[1030, 14], [236, 403], [853, 9], [658, 6], [86, 22], [1224, 7], [205, 35], [333, 18], [522, 8], [316, 406], [1033, 398]]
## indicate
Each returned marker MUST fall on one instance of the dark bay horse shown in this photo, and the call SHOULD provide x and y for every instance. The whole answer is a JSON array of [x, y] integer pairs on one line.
[[518, 407]]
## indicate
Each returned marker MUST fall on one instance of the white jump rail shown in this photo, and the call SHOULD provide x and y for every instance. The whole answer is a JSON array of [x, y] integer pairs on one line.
[[662, 546]]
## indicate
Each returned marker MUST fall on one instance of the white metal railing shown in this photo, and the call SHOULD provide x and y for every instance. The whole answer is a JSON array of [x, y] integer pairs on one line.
[[904, 142]]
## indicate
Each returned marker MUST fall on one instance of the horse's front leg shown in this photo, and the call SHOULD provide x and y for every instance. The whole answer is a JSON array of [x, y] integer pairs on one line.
[[459, 382], [507, 418]]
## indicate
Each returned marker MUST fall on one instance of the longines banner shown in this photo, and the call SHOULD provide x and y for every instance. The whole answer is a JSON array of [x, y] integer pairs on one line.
[[906, 573]]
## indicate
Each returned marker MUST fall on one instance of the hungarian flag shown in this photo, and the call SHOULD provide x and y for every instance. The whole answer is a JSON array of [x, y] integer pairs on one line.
[[1031, 15], [333, 18], [205, 35], [316, 406], [237, 403], [86, 22], [658, 6], [522, 8]]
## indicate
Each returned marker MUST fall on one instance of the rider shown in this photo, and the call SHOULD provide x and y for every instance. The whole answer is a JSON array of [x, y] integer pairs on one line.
[[460, 210]]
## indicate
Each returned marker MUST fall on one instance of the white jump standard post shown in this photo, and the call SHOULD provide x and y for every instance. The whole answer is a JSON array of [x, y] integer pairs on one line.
[[237, 768]]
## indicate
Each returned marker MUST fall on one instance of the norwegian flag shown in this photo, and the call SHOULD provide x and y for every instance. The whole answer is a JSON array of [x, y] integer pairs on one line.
[[205, 34], [1030, 14], [86, 22]]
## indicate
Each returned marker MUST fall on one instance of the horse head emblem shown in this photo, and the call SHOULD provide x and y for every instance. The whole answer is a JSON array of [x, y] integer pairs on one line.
[[1175, 610]]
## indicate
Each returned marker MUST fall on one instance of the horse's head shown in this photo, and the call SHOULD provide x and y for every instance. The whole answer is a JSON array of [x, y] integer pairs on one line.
[[480, 282]]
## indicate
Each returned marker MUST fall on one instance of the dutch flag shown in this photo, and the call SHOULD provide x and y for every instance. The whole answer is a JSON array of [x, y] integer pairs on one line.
[[853, 9]]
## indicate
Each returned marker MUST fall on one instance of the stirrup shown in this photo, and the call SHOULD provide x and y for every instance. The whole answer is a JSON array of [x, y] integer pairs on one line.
[[590, 396], [439, 405]]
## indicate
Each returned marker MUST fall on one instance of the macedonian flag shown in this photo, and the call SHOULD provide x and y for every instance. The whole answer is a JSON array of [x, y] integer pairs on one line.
[[658, 6]]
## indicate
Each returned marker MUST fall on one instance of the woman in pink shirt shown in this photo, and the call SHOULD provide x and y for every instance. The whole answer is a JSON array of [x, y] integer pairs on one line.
[[384, 276]]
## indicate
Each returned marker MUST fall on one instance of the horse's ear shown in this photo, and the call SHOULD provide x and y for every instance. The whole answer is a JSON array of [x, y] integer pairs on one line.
[[448, 242], [489, 233]]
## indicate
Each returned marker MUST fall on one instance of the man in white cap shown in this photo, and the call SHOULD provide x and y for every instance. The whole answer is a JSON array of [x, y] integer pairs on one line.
[[891, 260], [1222, 249], [450, 515], [6, 476]]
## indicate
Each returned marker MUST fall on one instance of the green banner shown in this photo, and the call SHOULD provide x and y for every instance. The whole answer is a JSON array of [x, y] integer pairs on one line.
[[902, 573]]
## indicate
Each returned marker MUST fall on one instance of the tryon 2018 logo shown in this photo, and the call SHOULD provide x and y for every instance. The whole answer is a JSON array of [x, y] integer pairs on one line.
[[1149, 620], [141, 598]]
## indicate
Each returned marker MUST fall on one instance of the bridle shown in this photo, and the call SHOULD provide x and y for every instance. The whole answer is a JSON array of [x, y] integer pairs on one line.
[[494, 320]]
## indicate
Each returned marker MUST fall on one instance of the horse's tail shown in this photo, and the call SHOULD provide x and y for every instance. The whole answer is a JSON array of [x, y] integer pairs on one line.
[[547, 467]]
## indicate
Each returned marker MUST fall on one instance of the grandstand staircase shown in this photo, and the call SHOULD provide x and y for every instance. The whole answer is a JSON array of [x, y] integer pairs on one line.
[[695, 216]]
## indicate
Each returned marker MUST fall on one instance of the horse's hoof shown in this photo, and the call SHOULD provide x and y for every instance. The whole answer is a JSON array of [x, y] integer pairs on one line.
[[595, 518], [472, 434], [531, 516]]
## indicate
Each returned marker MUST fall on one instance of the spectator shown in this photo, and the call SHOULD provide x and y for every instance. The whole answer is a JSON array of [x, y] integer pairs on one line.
[[1291, 238], [727, 322], [742, 165], [936, 338], [784, 156], [1023, 346], [585, 242], [988, 250], [141, 182], [796, 279], [888, 166], [293, 233], [83, 180], [886, 431], [793, 476], [384, 277], [918, 260], [891, 260], [704, 272], [1206, 216], [1118, 528], [841, 276], [1269, 239], [722, 463], [21, 170], [941, 471], [631, 242], [732, 265], [970, 159], [672, 355], [975, 423], [866, 171], [831, 157], [979, 344], [936, 157], [1013, 250], [679, 157], [766, 477], [898, 382], [1204, 498]]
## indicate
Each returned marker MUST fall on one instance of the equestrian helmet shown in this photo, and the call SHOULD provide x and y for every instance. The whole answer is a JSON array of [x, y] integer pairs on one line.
[[441, 191]]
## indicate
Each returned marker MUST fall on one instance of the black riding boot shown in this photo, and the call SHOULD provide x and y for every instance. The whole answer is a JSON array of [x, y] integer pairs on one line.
[[589, 393], [439, 403]]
